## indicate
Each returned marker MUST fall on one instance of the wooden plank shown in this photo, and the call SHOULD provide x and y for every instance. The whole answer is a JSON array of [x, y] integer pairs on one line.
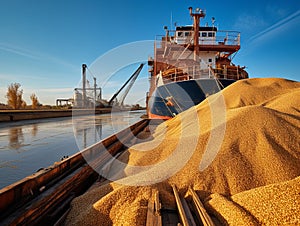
[[158, 208], [206, 220], [181, 211], [62, 219], [36, 210], [21, 192], [151, 218], [188, 212], [153, 214]]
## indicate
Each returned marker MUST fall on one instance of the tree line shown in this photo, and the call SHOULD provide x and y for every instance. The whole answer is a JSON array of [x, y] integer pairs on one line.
[[15, 100]]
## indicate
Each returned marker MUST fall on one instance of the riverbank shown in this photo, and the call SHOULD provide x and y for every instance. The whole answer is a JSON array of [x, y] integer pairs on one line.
[[17, 115]]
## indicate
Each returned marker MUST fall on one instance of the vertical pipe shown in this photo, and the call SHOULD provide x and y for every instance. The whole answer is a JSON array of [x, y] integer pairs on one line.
[[197, 15], [196, 36], [95, 91], [83, 85]]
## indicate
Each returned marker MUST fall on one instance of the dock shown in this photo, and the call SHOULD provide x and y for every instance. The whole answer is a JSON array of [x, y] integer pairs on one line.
[[17, 115]]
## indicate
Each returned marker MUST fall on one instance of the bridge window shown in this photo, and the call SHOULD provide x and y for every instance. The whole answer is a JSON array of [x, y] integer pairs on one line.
[[204, 34], [186, 34], [211, 34]]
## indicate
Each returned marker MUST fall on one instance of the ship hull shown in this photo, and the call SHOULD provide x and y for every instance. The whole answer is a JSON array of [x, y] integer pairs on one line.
[[170, 99]]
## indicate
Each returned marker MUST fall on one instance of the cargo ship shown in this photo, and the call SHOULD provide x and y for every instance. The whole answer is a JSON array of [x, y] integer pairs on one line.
[[189, 64]]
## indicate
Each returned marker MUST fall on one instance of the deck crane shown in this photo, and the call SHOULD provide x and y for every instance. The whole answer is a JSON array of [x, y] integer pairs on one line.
[[131, 81]]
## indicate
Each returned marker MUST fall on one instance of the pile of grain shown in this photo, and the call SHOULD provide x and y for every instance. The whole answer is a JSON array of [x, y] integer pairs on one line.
[[275, 204], [257, 141]]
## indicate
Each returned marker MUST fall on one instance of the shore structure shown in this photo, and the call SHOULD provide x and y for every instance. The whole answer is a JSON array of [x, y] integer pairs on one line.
[[17, 115]]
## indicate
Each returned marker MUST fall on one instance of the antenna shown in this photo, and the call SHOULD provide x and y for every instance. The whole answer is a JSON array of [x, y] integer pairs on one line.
[[197, 15], [213, 20], [171, 22]]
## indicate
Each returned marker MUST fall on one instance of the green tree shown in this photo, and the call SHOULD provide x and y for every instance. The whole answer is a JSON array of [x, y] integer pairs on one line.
[[14, 96]]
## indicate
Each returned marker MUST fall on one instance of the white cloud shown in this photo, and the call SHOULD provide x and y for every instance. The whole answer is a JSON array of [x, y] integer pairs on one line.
[[10, 78], [35, 55], [275, 28], [276, 11], [249, 22], [17, 50], [57, 90]]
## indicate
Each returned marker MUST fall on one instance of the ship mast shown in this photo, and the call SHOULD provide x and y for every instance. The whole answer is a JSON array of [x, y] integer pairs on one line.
[[197, 14]]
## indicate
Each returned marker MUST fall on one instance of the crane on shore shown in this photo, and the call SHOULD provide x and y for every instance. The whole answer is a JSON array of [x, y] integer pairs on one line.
[[130, 83], [82, 100]]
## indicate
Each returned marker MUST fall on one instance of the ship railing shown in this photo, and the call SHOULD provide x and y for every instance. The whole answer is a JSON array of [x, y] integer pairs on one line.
[[202, 73], [188, 73], [230, 73], [228, 38], [195, 72]]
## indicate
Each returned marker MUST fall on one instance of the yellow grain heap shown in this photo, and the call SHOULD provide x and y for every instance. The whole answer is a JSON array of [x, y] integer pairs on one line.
[[256, 143]]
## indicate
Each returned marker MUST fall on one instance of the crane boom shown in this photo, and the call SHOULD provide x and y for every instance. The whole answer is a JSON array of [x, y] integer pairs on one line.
[[132, 79]]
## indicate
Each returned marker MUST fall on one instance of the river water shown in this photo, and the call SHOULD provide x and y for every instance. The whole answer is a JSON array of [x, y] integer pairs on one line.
[[27, 146]]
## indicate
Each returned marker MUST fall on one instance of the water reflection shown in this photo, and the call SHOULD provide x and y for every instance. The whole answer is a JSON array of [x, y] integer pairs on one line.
[[26, 146], [88, 131], [34, 130], [16, 138]]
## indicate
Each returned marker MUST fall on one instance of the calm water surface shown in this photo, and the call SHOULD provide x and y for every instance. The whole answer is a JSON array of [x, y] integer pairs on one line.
[[27, 146]]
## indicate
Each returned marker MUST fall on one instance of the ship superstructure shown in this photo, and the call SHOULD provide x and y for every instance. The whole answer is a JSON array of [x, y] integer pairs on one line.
[[189, 64]]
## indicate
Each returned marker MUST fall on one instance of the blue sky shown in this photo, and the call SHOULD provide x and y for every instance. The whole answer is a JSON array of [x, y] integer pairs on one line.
[[44, 43]]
